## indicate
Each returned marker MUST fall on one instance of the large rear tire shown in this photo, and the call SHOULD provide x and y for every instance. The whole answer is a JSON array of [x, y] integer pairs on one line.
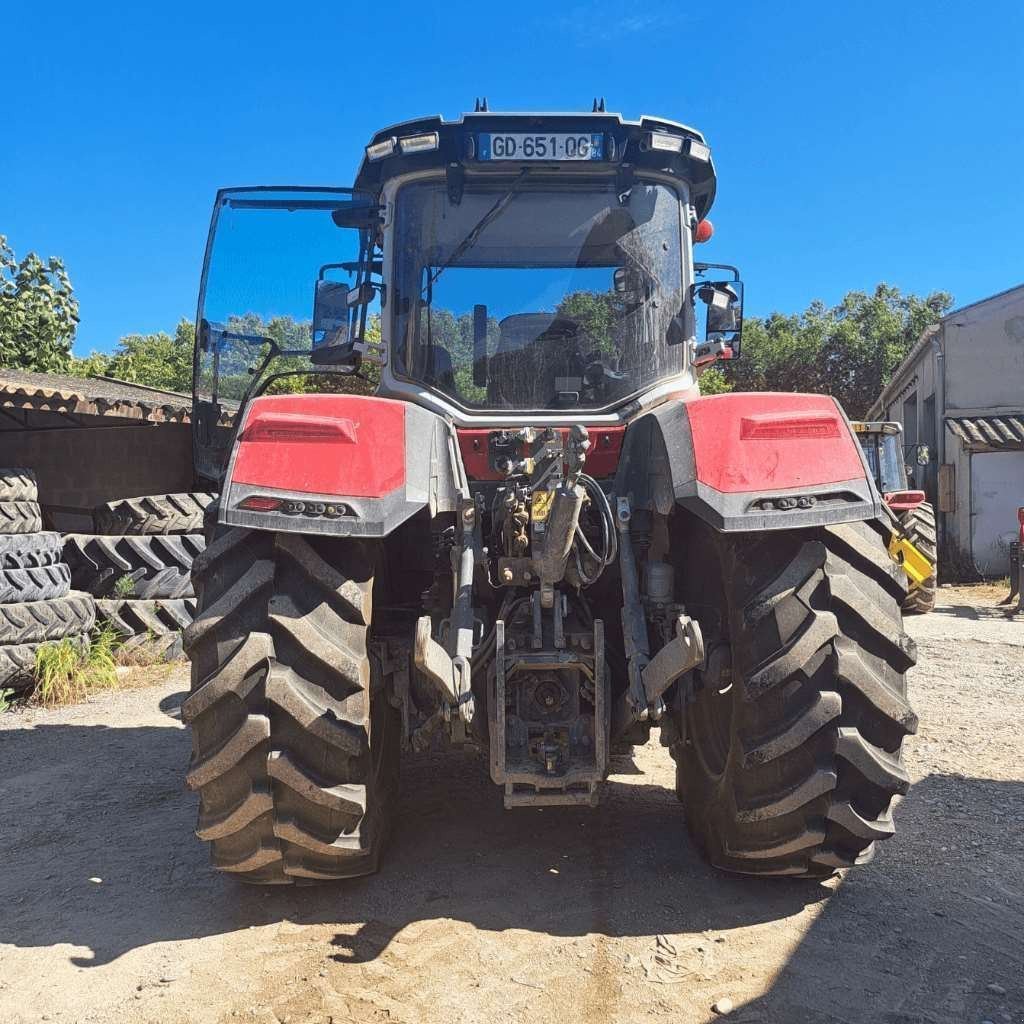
[[295, 745], [919, 524], [790, 762]]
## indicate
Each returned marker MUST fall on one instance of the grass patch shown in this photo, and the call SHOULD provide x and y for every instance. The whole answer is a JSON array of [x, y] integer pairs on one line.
[[67, 671], [124, 586]]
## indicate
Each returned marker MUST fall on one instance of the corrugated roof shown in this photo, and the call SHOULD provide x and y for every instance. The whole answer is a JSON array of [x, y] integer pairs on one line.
[[92, 396], [1005, 431]]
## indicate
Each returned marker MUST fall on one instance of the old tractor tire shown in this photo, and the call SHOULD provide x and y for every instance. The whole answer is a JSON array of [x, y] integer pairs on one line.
[[42, 583], [158, 567], [154, 625], [18, 517], [295, 745], [18, 485], [29, 550], [919, 526], [790, 762], [153, 514], [18, 662], [35, 621]]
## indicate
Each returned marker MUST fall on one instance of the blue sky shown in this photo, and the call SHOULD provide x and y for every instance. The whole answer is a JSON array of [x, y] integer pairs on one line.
[[854, 143]]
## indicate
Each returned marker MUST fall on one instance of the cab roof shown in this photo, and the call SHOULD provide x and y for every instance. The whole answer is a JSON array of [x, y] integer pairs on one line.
[[628, 148], [876, 427]]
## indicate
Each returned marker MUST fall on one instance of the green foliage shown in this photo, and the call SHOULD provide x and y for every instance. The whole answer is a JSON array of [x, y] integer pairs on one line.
[[124, 586], [67, 670], [596, 313], [38, 312], [96, 364], [6, 693], [849, 350], [157, 360], [239, 360], [713, 382]]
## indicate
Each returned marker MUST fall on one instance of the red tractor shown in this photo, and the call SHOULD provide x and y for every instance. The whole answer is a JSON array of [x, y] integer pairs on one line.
[[476, 497]]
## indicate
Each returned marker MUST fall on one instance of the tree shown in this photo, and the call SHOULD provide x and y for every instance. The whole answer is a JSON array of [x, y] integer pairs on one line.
[[158, 360], [713, 382], [849, 350], [38, 312]]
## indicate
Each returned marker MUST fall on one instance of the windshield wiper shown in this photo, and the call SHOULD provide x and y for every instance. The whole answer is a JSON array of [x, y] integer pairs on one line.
[[488, 218]]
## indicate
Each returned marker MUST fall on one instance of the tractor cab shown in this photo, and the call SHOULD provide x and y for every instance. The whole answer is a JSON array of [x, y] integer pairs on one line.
[[887, 460], [536, 264], [542, 263]]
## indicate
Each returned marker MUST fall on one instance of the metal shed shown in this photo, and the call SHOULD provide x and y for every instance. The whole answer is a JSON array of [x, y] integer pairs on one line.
[[93, 440], [960, 391]]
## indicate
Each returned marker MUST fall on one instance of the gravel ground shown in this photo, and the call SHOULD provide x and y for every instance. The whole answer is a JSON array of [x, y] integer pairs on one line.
[[110, 911]]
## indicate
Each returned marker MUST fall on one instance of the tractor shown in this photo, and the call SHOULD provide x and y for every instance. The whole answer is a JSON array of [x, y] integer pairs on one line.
[[471, 495], [887, 460]]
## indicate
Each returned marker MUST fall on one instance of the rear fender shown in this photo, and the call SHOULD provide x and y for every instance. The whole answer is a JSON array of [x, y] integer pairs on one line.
[[746, 462], [340, 465]]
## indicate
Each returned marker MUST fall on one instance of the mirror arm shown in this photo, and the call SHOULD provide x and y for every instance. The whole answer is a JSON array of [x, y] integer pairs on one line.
[[703, 268]]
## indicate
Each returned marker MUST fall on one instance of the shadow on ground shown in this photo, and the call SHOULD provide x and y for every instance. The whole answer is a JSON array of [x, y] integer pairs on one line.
[[917, 937], [976, 613], [932, 931], [108, 803]]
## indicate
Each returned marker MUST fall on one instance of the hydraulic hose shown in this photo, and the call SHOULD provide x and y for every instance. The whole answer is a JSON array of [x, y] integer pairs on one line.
[[609, 535]]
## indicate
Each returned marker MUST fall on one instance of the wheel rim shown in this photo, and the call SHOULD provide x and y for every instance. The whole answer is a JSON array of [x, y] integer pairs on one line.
[[712, 713]]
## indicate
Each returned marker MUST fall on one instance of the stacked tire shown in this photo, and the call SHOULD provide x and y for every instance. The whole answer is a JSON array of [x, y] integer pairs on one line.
[[37, 603], [138, 566]]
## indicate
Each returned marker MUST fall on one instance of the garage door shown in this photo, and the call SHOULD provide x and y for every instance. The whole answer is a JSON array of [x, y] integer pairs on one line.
[[997, 491]]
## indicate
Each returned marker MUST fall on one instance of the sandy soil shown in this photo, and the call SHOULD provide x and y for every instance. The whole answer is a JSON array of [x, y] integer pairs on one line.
[[110, 912]]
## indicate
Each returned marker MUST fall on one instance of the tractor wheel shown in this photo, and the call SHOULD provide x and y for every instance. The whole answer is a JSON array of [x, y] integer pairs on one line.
[[919, 524], [295, 745], [790, 757]]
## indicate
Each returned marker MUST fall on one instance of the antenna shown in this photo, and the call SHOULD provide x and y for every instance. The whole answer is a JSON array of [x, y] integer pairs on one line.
[[481, 105], [598, 107]]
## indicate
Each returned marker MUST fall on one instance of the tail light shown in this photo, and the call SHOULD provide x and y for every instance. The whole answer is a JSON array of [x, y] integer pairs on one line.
[[259, 503]]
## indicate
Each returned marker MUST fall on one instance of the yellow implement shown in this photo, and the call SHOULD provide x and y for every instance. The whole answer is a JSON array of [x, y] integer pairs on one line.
[[917, 567]]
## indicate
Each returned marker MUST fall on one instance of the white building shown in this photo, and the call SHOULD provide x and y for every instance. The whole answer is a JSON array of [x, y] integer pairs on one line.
[[960, 391]]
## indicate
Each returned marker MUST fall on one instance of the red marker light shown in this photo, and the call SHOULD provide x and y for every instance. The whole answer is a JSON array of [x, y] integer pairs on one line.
[[703, 232], [258, 503]]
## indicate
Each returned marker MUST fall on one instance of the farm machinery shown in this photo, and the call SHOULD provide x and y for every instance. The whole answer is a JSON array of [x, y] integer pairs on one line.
[[471, 495], [886, 458]]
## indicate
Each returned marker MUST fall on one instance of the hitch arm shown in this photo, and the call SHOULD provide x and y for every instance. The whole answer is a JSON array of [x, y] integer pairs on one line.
[[684, 652], [450, 672]]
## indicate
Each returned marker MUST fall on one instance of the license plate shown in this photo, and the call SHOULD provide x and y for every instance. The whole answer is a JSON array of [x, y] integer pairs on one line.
[[519, 146]]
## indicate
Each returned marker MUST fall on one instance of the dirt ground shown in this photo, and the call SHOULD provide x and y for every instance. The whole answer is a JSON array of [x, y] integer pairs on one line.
[[109, 910]]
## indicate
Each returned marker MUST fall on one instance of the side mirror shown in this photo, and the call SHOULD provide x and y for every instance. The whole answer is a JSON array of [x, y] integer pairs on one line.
[[723, 320], [330, 315]]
